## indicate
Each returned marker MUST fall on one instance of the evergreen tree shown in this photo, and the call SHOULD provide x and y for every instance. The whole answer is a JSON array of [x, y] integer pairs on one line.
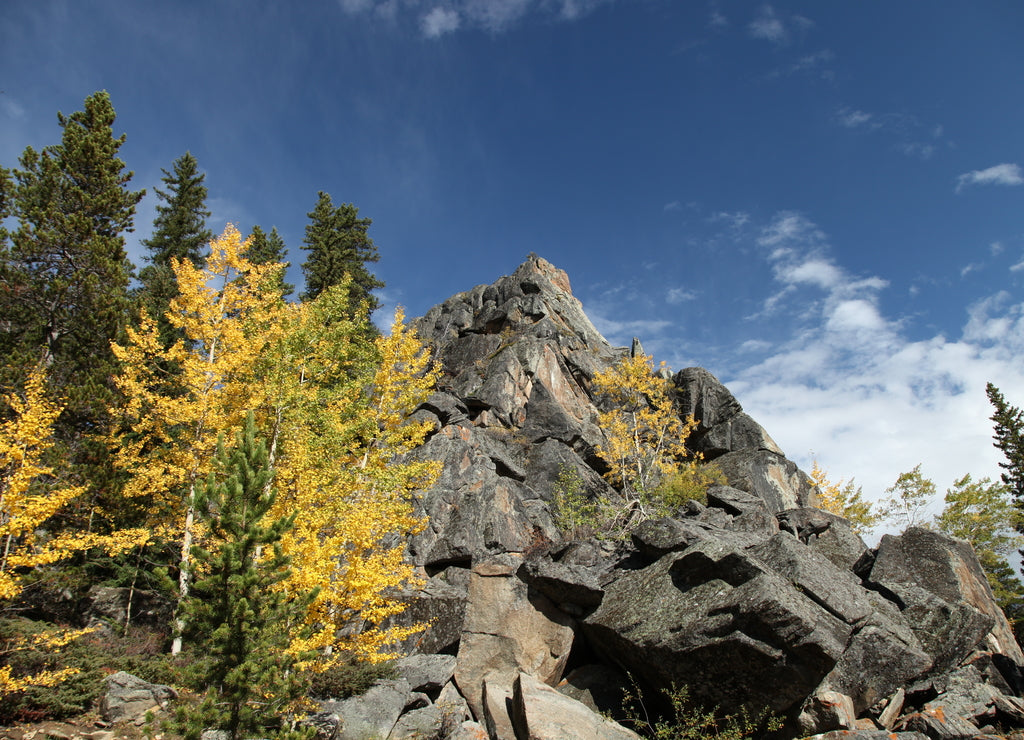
[[6, 193], [337, 242], [64, 276], [263, 249], [1009, 438], [236, 606], [179, 233]]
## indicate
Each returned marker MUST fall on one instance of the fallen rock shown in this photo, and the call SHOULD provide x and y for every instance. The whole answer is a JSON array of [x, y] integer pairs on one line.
[[372, 714], [509, 628], [128, 697], [539, 712]]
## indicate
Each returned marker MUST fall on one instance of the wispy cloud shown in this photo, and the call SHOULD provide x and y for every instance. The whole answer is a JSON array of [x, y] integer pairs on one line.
[[440, 21], [1000, 174], [856, 119], [913, 138], [680, 295], [436, 19], [778, 29]]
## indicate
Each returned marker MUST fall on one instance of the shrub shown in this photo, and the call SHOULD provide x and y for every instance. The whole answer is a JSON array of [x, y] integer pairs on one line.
[[347, 678], [688, 720], [576, 514], [689, 483]]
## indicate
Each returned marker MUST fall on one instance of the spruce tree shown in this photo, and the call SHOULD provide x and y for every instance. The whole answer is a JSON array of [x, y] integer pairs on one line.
[[64, 275], [179, 233], [338, 243], [234, 610], [263, 249], [1009, 438]]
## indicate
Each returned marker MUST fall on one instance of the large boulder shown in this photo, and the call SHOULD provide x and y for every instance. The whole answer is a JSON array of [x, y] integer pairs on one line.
[[718, 620], [539, 712], [128, 697], [944, 595], [722, 426], [509, 628]]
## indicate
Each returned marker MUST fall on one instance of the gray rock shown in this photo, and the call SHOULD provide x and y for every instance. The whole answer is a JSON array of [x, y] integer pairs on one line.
[[108, 605], [599, 687], [938, 725], [723, 426], [426, 723], [541, 713], [428, 673], [827, 711], [838, 591], [564, 584], [372, 714], [128, 697], [324, 724], [948, 569], [440, 605], [770, 476], [882, 655], [717, 620]]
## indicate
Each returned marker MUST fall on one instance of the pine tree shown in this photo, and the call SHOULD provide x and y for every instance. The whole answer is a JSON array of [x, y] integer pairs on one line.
[[64, 276], [338, 244], [1009, 438], [179, 233], [235, 612], [264, 249]]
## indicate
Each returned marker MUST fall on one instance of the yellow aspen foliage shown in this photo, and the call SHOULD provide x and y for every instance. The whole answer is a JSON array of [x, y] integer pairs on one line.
[[645, 439], [338, 463], [845, 500], [170, 422], [333, 403], [31, 493]]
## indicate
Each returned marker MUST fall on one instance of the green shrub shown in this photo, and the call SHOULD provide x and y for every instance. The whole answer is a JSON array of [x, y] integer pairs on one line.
[[95, 656], [577, 515], [689, 483], [688, 720], [347, 678]]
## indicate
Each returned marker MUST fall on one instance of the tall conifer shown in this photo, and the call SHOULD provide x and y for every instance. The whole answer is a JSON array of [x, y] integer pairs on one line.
[[263, 249], [64, 276], [1009, 438], [338, 243], [179, 233]]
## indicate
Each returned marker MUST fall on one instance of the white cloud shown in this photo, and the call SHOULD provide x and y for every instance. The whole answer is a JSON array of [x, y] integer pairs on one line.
[[448, 16], [768, 26], [972, 267], [996, 248], [789, 227], [856, 118], [680, 295], [673, 206], [1000, 174], [440, 21]]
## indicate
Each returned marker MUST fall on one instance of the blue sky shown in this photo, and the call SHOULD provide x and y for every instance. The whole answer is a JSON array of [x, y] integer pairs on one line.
[[819, 202]]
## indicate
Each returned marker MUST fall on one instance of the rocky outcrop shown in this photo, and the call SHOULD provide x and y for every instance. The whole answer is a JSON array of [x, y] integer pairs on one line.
[[754, 599]]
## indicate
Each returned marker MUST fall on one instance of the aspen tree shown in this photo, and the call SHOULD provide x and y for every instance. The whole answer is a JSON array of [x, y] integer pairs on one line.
[[342, 412], [845, 500], [31, 494], [645, 439], [171, 424]]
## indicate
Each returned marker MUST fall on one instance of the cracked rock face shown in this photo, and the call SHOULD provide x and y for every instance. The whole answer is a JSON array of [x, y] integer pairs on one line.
[[756, 599]]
